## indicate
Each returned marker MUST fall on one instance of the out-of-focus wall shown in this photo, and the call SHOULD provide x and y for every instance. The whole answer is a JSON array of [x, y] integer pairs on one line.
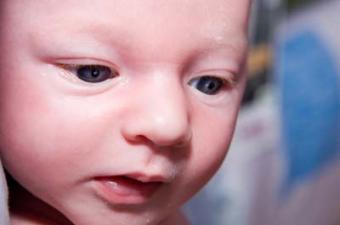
[[284, 163]]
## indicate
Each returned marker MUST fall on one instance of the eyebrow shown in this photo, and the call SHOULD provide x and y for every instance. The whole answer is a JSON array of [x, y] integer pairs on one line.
[[104, 34], [104, 37], [111, 36]]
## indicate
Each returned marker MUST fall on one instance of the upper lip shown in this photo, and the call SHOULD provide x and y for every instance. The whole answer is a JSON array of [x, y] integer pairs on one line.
[[146, 178], [141, 177]]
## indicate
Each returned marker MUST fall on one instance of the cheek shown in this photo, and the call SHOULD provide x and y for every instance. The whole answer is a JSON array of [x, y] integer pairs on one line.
[[208, 151], [210, 147], [43, 134], [213, 130]]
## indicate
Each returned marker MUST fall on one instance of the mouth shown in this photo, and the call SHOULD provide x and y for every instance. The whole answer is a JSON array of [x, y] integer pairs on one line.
[[128, 189]]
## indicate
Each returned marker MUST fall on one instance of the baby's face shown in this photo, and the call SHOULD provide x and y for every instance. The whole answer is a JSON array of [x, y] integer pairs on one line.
[[116, 112]]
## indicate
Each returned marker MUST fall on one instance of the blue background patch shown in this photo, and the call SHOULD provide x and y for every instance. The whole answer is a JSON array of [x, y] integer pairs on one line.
[[308, 82]]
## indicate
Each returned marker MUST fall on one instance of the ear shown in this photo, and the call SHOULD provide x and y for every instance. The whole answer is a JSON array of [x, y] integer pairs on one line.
[[4, 216]]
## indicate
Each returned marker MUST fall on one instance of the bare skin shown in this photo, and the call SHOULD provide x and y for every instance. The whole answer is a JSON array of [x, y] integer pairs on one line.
[[116, 112]]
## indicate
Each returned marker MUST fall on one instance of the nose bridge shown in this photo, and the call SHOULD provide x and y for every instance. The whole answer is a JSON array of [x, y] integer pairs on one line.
[[162, 113]]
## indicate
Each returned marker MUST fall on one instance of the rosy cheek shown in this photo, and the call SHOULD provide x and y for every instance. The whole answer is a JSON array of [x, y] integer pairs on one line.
[[27, 120], [213, 133], [210, 144], [21, 108]]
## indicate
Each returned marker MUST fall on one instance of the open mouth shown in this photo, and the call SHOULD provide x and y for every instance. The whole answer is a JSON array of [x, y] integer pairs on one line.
[[126, 189]]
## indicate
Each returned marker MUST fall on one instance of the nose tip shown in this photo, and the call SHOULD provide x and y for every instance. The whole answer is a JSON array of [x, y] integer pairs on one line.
[[170, 132], [164, 130], [160, 113]]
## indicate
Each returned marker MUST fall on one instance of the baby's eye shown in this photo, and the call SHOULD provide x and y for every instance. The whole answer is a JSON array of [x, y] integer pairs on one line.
[[207, 84], [92, 73]]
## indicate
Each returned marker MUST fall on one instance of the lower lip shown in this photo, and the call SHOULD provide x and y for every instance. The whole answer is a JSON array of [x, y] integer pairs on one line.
[[124, 190]]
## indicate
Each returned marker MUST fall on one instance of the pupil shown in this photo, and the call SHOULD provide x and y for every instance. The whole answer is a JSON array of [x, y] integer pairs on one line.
[[211, 85], [95, 72]]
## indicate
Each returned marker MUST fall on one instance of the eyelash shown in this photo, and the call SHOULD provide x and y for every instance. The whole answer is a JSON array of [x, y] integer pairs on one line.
[[210, 84], [91, 73]]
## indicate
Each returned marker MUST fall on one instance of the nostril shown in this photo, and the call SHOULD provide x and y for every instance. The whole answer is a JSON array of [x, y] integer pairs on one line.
[[139, 139], [184, 141], [163, 141], [168, 140], [167, 144], [142, 139]]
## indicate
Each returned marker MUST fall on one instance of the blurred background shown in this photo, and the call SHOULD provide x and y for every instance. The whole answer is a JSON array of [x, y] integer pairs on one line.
[[283, 167]]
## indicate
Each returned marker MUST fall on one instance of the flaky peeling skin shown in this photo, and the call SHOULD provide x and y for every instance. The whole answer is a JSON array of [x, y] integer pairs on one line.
[[149, 120]]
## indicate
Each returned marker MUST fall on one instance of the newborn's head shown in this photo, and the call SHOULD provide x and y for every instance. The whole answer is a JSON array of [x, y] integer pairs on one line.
[[117, 112]]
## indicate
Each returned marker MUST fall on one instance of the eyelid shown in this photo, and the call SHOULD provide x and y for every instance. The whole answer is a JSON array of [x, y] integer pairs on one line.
[[225, 85], [84, 62], [74, 67], [72, 64], [68, 69], [224, 95], [229, 79]]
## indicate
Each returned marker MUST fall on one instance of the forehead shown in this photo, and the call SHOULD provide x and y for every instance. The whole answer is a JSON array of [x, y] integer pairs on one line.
[[229, 8], [151, 22], [228, 14]]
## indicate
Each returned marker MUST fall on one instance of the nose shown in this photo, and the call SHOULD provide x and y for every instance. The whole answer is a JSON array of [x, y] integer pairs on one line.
[[159, 114]]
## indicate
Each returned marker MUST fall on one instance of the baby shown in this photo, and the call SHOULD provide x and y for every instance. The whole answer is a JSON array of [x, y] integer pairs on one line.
[[116, 112]]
